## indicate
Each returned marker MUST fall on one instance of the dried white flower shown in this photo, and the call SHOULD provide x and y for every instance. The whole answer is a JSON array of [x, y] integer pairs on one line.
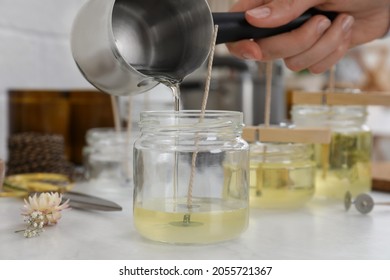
[[45, 206], [41, 210]]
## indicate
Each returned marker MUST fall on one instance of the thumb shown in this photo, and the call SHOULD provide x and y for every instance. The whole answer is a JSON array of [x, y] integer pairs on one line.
[[279, 12]]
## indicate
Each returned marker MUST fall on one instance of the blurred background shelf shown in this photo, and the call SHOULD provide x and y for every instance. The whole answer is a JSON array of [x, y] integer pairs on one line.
[[70, 113]]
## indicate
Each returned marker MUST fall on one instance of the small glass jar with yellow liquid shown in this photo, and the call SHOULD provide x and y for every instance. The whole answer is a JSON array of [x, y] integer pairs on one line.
[[344, 164], [191, 177], [282, 175]]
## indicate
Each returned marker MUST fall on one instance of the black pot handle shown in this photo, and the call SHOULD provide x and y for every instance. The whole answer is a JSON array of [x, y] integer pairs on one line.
[[233, 27]]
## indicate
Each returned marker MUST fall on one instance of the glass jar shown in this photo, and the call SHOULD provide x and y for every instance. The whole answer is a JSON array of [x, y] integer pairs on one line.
[[108, 155], [282, 175], [2, 172], [177, 201], [344, 164]]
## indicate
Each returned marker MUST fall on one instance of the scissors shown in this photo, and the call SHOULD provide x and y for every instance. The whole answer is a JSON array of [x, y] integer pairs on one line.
[[23, 185]]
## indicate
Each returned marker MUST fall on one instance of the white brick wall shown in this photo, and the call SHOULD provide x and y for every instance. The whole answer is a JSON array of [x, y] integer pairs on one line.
[[35, 50]]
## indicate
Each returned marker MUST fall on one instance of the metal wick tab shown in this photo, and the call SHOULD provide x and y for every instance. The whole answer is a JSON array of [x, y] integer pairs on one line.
[[363, 202]]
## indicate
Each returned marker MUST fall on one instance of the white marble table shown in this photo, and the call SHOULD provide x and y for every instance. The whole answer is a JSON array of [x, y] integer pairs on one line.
[[319, 231]]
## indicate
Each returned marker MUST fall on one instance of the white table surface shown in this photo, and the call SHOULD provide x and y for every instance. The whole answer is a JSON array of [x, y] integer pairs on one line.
[[320, 231]]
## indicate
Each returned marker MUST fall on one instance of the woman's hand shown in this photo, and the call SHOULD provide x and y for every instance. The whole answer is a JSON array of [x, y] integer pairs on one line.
[[317, 44]]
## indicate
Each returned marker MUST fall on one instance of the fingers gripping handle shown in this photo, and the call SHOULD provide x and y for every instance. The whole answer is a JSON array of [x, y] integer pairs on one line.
[[234, 27]]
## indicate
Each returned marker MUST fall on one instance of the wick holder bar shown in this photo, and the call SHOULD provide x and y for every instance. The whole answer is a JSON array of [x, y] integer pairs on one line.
[[341, 98], [250, 133], [309, 135]]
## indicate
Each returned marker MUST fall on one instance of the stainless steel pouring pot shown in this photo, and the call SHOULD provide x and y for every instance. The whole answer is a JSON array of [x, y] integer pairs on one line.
[[125, 47]]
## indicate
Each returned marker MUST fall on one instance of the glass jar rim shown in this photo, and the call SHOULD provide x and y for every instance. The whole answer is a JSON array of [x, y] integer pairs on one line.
[[190, 113], [281, 152], [275, 149], [190, 121], [330, 112]]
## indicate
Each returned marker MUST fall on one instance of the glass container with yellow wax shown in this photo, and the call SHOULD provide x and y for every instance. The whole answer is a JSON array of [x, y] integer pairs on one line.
[[191, 177], [344, 165], [282, 175]]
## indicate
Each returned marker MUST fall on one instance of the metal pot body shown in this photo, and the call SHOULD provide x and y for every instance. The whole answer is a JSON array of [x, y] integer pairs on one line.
[[124, 47]]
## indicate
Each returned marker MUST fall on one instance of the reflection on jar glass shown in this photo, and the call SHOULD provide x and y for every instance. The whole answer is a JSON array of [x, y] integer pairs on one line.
[[344, 164], [176, 201], [282, 175]]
